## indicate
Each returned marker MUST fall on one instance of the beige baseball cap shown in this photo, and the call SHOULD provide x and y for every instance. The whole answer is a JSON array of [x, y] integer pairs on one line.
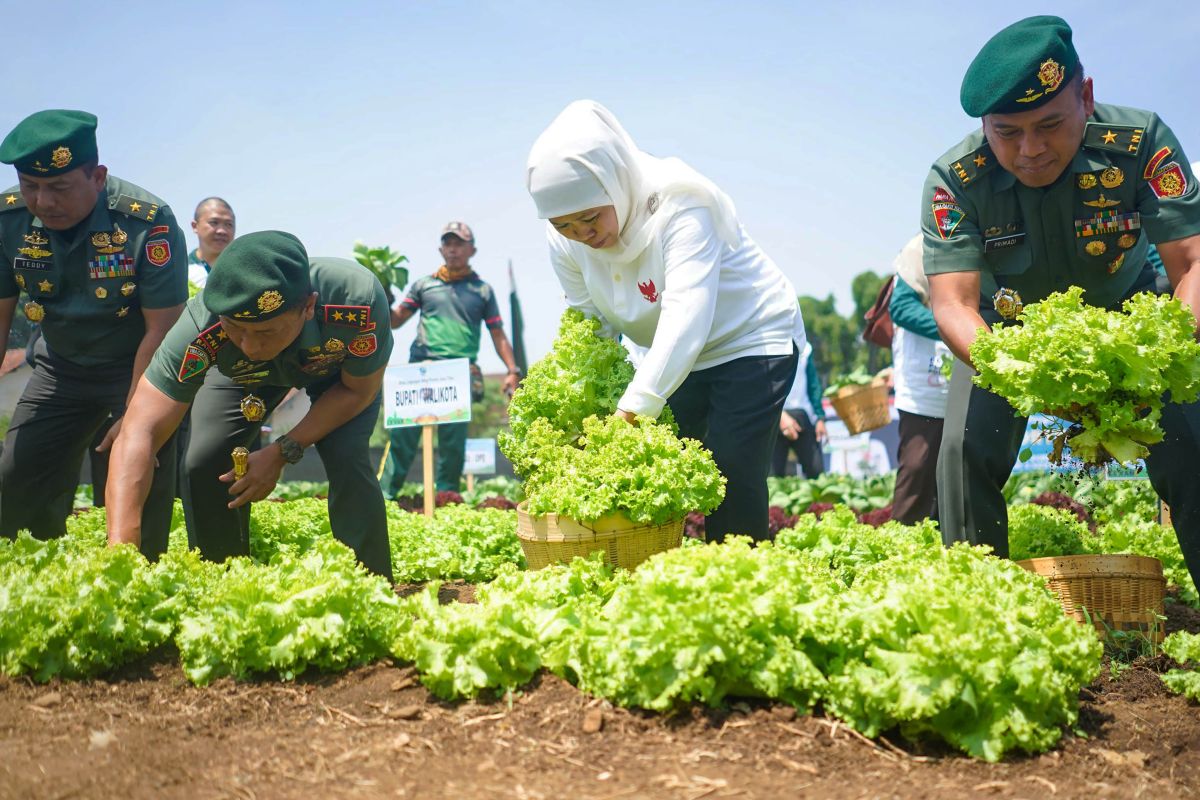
[[459, 229]]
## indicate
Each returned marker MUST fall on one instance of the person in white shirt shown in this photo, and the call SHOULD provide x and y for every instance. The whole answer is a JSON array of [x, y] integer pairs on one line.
[[917, 357], [655, 251]]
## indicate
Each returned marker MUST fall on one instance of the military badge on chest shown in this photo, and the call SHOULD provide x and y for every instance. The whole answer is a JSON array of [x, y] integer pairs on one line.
[[35, 246], [319, 361]]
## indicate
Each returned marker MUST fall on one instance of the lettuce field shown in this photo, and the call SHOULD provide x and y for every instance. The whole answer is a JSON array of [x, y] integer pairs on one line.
[[851, 657]]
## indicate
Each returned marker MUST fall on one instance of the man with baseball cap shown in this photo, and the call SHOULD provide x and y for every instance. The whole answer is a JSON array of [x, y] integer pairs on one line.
[[453, 301], [270, 319], [102, 265], [1055, 190]]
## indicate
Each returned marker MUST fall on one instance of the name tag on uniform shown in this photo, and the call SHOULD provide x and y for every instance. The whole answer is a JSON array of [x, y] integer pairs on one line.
[[30, 263], [1003, 242]]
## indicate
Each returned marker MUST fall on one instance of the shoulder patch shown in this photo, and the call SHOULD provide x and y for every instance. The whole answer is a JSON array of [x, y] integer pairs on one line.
[[350, 316], [11, 201], [363, 345], [195, 361], [141, 209], [1124, 139], [974, 165]]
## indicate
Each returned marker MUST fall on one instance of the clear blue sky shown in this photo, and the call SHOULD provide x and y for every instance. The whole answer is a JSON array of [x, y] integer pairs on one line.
[[383, 121]]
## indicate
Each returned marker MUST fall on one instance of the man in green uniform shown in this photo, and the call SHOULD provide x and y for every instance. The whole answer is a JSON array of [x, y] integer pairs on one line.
[[453, 302], [1056, 190], [103, 267], [270, 319]]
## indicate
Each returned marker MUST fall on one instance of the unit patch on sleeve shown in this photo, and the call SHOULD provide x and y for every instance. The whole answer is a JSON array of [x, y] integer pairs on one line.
[[350, 316], [363, 345], [946, 212], [1170, 181], [158, 252], [195, 361]]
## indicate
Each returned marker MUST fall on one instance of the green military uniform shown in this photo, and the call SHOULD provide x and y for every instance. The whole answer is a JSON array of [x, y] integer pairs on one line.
[[87, 287], [349, 332], [451, 313], [1128, 185]]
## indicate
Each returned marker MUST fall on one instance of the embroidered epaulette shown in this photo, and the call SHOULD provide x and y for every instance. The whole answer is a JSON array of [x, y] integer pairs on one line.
[[11, 201], [142, 209], [973, 165], [1125, 139], [349, 316]]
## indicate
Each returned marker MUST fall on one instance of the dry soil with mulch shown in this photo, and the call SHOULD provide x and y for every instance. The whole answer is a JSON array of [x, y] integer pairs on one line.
[[146, 732]]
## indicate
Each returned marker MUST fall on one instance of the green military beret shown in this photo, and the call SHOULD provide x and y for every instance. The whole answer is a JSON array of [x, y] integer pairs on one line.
[[1020, 68], [258, 276], [50, 143]]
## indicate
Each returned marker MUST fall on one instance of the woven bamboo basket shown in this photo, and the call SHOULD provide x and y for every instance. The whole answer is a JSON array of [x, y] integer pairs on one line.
[[863, 408], [554, 539], [1123, 593]]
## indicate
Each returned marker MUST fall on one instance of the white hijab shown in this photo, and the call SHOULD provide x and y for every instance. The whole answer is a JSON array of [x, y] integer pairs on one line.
[[585, 159]]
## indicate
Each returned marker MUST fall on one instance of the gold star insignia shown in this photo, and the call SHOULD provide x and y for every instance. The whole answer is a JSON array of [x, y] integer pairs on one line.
[[980, 160], [1110, 137], [45, 285], [222, 335], [135, 206], [11, 200], [351, 316], [337, 315], [123, 311]]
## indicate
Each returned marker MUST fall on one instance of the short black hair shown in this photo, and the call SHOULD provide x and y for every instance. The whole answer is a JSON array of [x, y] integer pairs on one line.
[[213, 199]]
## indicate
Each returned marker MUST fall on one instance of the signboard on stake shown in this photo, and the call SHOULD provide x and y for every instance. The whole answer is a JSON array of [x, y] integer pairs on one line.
[[428, 393]]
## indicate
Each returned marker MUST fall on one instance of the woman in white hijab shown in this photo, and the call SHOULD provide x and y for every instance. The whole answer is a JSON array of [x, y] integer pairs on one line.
[[654, 250]]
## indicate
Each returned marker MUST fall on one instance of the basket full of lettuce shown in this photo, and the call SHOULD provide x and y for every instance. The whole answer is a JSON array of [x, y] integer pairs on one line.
[[592, 481], [1107, 373]]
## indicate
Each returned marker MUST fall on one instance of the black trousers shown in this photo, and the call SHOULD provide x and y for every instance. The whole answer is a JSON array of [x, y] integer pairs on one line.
[[356, 508], [915, 496], [55, 422], [734, 409], [805, 446], [980, 445]]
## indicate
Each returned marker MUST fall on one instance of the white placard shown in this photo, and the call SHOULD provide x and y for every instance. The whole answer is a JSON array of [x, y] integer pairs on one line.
[[480, 457], [427, 393]]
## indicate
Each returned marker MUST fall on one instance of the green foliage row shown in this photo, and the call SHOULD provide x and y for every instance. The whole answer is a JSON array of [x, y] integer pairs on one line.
[[869, 623]]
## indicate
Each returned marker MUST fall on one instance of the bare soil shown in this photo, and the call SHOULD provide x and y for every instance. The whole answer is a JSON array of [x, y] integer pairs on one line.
[[146, 732]]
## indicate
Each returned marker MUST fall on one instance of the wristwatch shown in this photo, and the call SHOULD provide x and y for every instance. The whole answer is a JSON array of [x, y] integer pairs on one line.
[[290, 448], [516, 371]]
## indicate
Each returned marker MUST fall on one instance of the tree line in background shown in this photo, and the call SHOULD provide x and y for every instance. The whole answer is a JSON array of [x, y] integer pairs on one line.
[[837, 343]]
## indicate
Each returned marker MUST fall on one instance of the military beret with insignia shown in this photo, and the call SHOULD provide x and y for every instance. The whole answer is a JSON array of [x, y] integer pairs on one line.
[[1020, 68], [258, 276], [50, 143]]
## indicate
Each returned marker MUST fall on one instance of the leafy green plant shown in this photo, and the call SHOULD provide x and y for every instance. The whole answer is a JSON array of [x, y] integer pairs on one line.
[[384, 264], [645, 472], [583, 375], [1185, 649], [1036, 531], [1105, 371], [319, 609]]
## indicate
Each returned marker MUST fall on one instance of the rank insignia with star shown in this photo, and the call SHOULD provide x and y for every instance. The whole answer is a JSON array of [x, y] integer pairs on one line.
[[350, 317]]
